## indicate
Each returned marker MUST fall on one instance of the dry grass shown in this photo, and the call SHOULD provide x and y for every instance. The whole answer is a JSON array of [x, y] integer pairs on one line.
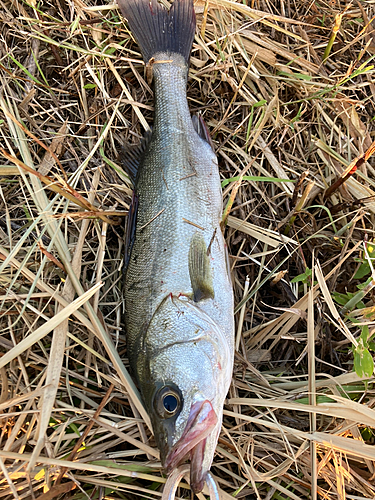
[[287, 90]]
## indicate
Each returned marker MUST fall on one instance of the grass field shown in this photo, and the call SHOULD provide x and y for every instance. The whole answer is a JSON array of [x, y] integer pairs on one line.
[[287, 90]]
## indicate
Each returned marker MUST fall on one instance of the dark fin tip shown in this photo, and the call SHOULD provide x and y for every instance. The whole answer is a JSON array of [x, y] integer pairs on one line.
[[203, 293], [157, 29]]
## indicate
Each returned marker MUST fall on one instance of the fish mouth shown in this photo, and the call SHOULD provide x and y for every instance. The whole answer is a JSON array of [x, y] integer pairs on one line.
[[201, 422]]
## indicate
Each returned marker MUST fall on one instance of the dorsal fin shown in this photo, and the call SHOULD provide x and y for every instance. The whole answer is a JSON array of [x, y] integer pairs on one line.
[[132, 155], [130, 229], [200, 269]]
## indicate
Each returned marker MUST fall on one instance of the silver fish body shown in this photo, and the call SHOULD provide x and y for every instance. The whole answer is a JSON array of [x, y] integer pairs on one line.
[[178, 292]]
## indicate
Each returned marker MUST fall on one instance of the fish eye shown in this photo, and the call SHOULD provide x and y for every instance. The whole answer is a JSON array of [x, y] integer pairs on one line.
[[168, 401]]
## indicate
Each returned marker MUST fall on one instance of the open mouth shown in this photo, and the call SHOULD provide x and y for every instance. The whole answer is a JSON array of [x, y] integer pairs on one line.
[[201, 422]]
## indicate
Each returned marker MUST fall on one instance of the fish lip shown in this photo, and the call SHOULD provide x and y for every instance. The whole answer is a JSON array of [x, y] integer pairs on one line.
[[197, 472], [201, 422]]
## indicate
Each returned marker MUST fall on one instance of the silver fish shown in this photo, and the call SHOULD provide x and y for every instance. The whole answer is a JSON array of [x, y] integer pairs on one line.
[[178, 292]]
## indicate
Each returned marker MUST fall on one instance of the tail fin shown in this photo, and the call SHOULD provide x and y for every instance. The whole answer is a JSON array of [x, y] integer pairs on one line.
[[158, 29]]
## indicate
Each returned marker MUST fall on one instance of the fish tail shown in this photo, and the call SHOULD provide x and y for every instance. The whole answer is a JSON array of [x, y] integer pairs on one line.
[[158, 29]]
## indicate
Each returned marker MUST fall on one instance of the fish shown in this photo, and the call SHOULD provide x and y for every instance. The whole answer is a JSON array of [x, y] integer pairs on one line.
[[178, 290]]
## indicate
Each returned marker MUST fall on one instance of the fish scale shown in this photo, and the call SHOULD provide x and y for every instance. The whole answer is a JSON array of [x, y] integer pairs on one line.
[[162, 185], [178, 292]]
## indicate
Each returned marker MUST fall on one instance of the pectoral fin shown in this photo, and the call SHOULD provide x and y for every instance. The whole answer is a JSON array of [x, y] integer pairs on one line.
[[200, 269]]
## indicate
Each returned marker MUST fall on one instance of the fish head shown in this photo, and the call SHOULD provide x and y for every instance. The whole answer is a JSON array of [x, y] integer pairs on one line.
[[189, 367]]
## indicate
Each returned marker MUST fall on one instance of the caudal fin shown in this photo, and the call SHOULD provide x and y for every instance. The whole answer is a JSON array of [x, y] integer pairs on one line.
[[158, 29]]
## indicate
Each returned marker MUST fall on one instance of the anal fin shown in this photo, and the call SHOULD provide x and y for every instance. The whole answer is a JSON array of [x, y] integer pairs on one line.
[[202, 130], [200, 269]]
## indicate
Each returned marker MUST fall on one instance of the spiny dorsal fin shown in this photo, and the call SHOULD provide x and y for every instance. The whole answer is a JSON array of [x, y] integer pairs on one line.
[[200, 269]]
